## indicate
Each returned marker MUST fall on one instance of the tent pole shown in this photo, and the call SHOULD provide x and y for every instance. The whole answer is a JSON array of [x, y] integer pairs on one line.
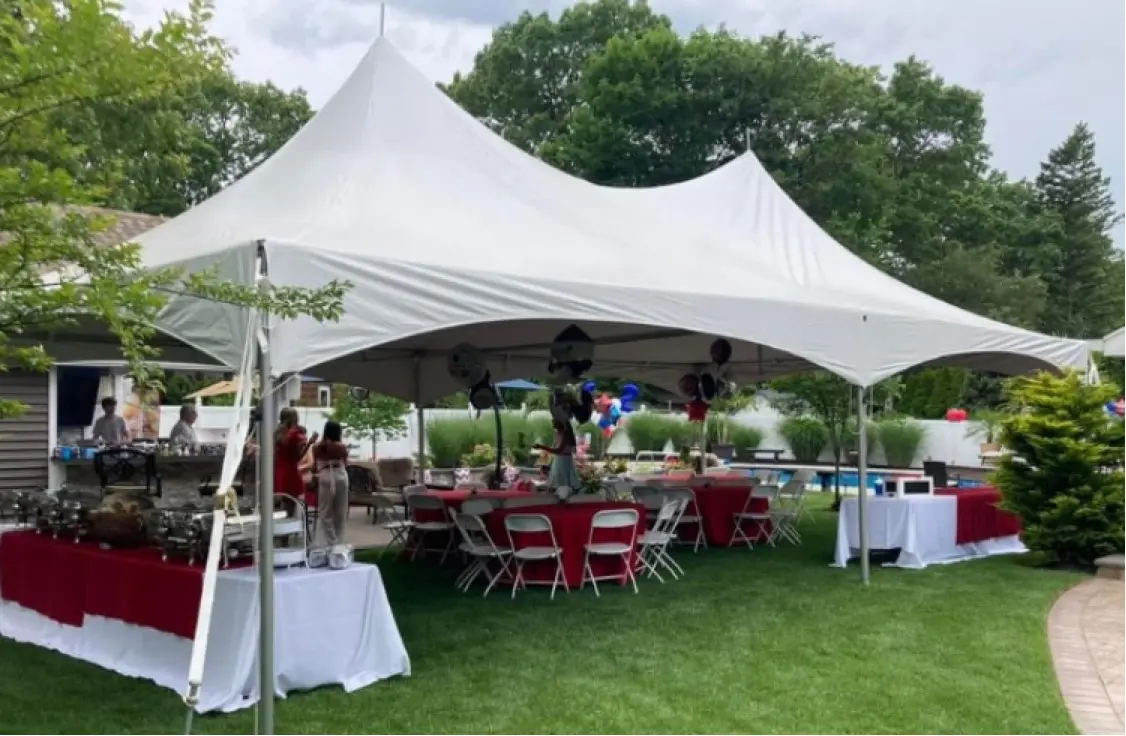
[[862, 481], [420, 420], [266, 522]]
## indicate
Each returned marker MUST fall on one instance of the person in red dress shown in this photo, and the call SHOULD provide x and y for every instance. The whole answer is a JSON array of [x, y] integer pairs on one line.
[[290, 446]]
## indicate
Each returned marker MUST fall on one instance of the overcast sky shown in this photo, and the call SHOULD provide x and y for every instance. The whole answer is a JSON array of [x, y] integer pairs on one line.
[[1043, 65]]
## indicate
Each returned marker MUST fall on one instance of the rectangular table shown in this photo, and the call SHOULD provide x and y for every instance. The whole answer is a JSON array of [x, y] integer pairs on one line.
[[333, 626], [923, 528]]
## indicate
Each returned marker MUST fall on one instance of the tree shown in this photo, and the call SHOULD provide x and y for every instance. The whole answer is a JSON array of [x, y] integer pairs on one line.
[[1064, 474], [822, 396], [1084, 274], [56, 269], [523, 83], [371, 417]]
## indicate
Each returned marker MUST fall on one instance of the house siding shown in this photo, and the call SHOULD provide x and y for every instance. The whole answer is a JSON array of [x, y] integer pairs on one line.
[[24, 441]]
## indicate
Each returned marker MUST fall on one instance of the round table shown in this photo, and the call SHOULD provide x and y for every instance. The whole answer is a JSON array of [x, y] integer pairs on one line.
[[571, 524], [454, 500], [717, 506]]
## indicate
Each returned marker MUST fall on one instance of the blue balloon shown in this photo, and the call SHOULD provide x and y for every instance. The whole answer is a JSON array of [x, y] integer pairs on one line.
[[589, 387], [605, 421], [629, 393], [1111, 406], [615, 414], [627, 405]]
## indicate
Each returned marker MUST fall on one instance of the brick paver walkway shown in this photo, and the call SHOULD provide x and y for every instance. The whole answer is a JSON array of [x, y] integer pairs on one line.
[[1086, 634]]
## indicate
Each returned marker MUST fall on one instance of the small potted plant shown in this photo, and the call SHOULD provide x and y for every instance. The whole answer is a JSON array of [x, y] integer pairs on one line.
[[986, 424]]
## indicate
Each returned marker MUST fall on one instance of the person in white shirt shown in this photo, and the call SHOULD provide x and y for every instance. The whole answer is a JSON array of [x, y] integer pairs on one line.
[[110, 428], [183, 432]]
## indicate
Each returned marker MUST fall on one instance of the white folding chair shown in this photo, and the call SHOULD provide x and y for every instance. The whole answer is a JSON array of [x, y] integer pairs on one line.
[[392, 517], [796, 492], [420, 530], [690, 516], [652, 498], [478, 545], [759, 518], [470, 485], [479, 506], [654, 542], [786, 510], [611, 519], [528, 524], [532, 499]]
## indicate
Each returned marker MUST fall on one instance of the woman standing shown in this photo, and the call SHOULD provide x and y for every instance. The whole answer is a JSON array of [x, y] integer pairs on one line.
[[563, 473], [290, 445], [331, 457]]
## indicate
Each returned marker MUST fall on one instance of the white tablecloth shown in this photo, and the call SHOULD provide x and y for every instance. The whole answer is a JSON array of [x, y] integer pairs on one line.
[[333, 627], [923, 528]]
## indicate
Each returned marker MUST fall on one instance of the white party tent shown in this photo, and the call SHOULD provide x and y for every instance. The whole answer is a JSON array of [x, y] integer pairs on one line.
[[450, 235], [1113, 345]]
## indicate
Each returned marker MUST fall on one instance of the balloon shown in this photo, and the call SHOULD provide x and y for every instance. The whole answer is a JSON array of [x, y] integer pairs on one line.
[[708, 386], [630, 392], [605, 421], [483, 395], [697, 411], [572, 351], [615, 414], [589, 387], [607, 431], [956, 415], [689, 384], [603, 404], [1120, 407], [627, 406], [720, 351]]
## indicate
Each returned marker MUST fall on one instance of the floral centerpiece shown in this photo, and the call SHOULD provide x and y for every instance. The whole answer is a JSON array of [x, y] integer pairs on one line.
[[591, 476]]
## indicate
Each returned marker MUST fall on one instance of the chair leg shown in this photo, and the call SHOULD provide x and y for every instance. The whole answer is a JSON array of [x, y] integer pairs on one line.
[[516, 582], [629, 571], [588, 573]]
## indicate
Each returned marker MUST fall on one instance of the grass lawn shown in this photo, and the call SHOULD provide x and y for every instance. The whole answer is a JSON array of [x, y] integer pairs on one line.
[[763, 641]]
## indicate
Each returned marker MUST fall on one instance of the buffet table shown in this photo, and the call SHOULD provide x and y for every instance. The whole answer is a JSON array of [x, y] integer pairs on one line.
[[928, 530], [127, 611]]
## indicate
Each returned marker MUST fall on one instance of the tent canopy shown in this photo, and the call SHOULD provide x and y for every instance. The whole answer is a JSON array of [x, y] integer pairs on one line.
[[1113, 344], [449, 234]]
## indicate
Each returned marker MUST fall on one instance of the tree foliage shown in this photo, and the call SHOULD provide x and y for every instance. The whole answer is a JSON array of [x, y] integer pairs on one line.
[[373, 418], [59, 62], [1064, 476]]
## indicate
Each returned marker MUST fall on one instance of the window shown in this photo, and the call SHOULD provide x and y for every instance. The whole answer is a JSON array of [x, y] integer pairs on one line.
[[324, 396]]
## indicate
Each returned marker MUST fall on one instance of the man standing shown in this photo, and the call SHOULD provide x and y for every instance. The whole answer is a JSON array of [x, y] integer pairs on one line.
[[110, 428], [183, 432]]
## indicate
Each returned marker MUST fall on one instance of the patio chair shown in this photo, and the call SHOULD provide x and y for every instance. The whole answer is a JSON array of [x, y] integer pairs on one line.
[[531, 524], [758, 518], [611, 519], [421, 529], [478, 545], [394, 520], [655, 541], [690, 517]]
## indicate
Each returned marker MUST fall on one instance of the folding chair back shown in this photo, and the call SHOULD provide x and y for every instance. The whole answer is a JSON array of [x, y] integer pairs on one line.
[[668, 516], [417, 488], [804, 476], [478, 506], [614, 519], [470, 485], [473, 529], [529, 524], [649, 496], [417, 501]]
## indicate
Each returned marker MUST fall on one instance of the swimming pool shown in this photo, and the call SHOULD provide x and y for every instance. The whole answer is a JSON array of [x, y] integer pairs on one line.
[[850, 479]]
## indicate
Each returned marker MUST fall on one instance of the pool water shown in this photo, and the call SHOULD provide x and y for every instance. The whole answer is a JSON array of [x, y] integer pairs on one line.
[[850, 479]]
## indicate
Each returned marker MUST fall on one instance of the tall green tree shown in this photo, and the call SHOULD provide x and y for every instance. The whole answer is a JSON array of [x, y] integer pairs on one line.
[[61, 58], [1084, 273], [524, 82]]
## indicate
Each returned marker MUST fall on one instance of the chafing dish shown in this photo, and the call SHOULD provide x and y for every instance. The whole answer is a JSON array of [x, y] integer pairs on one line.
[[62, 514], [18, 507]]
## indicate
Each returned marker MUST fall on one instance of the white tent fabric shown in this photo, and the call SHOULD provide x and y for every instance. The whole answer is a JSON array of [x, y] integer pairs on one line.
[[450, 234], [1113, 344]]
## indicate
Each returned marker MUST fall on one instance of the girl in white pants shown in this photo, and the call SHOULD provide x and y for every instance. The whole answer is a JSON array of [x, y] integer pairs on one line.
[[331, 457]]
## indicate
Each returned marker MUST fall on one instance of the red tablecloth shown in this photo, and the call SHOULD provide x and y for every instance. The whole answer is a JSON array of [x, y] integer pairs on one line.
[[717, 506], [979, 517], [65, 581], [571, 523]]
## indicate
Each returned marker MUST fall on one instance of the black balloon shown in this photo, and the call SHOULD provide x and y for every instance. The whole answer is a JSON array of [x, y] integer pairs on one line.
[[720, 351], [708, 386], [585, 409]]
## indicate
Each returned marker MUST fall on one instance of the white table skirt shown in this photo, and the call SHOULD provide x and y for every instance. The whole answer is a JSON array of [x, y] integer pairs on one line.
[[333, 627], [923, 528]]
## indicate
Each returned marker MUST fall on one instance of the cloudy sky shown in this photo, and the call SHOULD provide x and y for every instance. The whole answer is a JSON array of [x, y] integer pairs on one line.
[[1043, 65]]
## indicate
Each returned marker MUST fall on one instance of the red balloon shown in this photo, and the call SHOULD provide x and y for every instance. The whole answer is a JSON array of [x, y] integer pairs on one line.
[[956, 415], [697, 411], [1120, 407], [607, 431]]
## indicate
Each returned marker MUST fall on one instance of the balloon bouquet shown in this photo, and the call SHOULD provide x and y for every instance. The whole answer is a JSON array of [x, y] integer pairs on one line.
[[610, 409], [705, 385], [1116, 408]]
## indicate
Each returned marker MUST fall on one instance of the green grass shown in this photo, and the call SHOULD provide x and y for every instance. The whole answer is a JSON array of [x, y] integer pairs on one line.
[[769, 641]]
